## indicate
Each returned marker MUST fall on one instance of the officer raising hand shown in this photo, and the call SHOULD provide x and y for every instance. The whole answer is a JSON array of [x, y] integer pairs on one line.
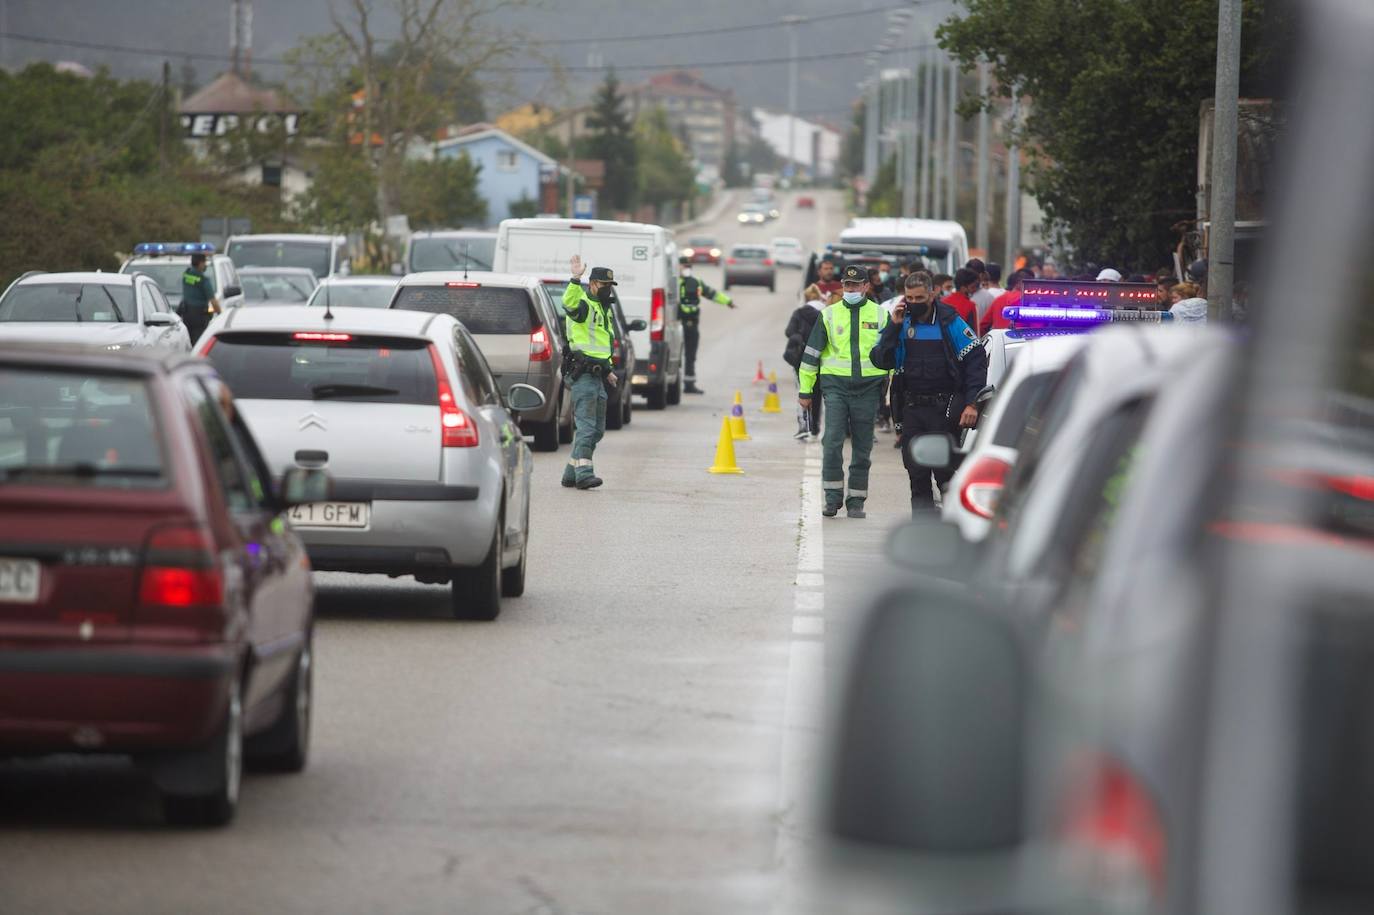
[[591, 330]]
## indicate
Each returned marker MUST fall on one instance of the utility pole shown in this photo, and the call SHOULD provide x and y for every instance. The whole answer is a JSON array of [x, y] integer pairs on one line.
[[937, 137], [1221, 241], [980, 220], [1013, 185], [164, 109], [952, 144], [927, 137], [871, 125], [792, 22]]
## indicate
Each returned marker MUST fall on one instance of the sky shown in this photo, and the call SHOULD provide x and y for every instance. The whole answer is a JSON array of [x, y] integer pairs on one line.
[[746, 48]]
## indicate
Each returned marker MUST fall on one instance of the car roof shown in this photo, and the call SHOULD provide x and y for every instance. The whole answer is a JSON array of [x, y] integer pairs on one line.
[[485, 277], [787, 238], [384, 321], [547, 222], [79, 276], [454, 233], [749, 245], [1044, 354], [360, 280], [137, 360], [286, 236], [276, 271]]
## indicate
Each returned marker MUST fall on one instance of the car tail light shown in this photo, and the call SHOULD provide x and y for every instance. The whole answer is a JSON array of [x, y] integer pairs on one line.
[[768, 262], [179, 569], [465, 284], [209, 345], [321, 337], [541, 349], [582, 227], [457, 430], [729, 260], [1114, 823], [659, 301], [983, 485]]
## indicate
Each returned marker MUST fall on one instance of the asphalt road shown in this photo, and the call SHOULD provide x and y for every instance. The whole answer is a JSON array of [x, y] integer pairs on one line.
[[635, 734]]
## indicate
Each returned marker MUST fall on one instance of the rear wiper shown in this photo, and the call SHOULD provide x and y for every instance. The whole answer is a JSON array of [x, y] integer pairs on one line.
[[81, 469], [325, 391]]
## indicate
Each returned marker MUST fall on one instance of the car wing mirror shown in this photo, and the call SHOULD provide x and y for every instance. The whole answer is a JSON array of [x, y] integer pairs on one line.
[[522, 398], [162, 319], [301, 485], [231, 291], [638, 324], [934, 450], [930, 746]]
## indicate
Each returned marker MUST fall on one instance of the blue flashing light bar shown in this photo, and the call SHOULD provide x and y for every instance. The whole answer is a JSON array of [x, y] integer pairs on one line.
[[1081, 317], [154, 248]]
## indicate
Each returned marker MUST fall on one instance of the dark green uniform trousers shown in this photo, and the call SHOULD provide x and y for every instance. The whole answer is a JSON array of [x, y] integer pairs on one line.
[[851, 408]]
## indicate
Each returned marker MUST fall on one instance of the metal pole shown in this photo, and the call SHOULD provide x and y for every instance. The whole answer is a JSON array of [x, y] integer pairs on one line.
[[791, 23], [1221, 244], [1013, 187], [923, 137], [937, 137], [910, 133], [871, 127], [980, 220], [952, 144]]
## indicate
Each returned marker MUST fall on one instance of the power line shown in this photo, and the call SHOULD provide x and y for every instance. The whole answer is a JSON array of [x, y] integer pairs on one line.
[[722, 30], [541, 68]]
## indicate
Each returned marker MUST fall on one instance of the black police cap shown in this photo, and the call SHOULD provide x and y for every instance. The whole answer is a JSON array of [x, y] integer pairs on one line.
[[854, 274], [603, 275]]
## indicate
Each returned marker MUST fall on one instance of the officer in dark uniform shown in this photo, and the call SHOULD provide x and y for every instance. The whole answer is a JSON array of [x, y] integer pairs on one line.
[[943, 368], [198, 301], [690, 292]]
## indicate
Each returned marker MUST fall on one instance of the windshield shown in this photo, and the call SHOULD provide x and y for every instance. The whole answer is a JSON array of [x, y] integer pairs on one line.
[[312, 255], [702, 243], [265, 287], [452, 253], [166, 275], [74, 428], [354, 295], [368, 370], [74, 302], [482, 309]]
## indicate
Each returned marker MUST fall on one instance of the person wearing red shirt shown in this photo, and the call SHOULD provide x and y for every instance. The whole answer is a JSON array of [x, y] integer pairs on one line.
[[961, 299], [829, 286], [994, 320]]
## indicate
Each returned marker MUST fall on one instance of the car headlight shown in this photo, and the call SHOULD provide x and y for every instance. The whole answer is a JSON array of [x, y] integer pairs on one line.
[[688, 252], [112, 347], [744, 217], [715, 252]]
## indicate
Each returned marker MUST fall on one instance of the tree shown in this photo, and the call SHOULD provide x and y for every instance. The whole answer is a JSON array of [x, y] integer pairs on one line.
[[885, 196], [1113, 93], [731, 172], [442, 193], [612, 141], [383, 95], [852, 150], [665, 172], [342, 196]]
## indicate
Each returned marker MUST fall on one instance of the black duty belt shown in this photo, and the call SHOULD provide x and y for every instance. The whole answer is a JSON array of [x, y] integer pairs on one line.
[[927, 400]]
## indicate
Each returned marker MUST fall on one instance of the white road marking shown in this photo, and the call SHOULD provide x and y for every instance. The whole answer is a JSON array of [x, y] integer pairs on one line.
[[810, 580], [808, 625], [810, 602]]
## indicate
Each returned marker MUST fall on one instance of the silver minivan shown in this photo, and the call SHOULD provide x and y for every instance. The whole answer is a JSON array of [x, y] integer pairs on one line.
[[511, 320]]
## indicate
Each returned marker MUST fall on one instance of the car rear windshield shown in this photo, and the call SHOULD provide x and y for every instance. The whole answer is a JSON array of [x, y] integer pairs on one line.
[[482, 309], [314, 256], [265, 287], [354, 295], [76, 428], [73, 302], [452, 253], [750, 254], [363, 369], [1027, 397]]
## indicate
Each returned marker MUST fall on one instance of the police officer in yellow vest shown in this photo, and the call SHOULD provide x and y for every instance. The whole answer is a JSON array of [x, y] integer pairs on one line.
[[851, 386], [690, 292], [591, 330]]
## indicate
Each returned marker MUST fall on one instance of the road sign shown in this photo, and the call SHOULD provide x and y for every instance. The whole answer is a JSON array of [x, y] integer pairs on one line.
[[584, 206]]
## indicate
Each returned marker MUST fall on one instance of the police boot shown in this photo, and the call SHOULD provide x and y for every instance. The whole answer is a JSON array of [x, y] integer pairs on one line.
[[691, 388], [589, 482]]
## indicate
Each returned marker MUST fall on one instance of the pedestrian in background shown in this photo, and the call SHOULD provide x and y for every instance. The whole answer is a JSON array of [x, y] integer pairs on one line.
[[827, 282], [798, 332], [1188, 305], [591, 332], [966, 283], [988, 290], [944, 284], [198, 300], [942, 367], [838, 354], [994, 318]]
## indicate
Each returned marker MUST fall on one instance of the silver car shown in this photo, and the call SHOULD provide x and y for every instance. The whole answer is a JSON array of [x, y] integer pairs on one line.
[[432, 475], [276, 285], [750, 265], [517, 330], [166, 270], [116, 310]]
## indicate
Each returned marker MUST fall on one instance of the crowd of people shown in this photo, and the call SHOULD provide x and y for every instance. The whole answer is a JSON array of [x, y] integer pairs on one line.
[[899, 351]]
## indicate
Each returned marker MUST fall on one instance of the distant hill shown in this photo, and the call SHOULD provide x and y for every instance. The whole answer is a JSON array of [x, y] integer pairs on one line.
[[827, 88]]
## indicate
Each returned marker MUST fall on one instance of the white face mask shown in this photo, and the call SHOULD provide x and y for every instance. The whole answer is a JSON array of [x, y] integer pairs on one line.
[[853, 298], [686, 271]]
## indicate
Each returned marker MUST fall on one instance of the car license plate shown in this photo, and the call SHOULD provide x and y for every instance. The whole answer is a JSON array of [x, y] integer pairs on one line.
[[19, 580], [330, 514]]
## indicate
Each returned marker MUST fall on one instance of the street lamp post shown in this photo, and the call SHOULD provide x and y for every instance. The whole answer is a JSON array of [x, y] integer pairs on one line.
[[1221, 242], [952, 144], [980, 219], [792, 22]]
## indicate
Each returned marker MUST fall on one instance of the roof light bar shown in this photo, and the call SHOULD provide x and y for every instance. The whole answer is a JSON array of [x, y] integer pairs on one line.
[[153, 248]]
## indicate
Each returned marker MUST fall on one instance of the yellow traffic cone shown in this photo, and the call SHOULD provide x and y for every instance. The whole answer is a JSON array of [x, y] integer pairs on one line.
[[770, 400], [725, 450], [737, 430]]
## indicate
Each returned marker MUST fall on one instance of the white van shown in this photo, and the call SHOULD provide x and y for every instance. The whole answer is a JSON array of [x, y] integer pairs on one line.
[[943, 243], [643, 258]]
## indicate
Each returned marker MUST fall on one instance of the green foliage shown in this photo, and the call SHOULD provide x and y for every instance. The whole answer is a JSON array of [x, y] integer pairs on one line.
[[852, 149], [731, 172], [612, 141], [442, 193], [665, 171], [343, 195], [523, 207], [1114, 92], [885, 197]]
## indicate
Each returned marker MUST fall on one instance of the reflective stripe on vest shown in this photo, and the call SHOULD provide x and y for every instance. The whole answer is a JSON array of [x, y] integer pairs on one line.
[[843, 342]]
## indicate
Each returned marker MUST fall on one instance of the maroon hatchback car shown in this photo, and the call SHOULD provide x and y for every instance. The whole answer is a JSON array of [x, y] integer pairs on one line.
[[153, 601]]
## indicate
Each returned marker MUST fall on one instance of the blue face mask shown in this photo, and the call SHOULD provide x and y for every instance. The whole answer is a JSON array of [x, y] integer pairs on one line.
[[853, 298]]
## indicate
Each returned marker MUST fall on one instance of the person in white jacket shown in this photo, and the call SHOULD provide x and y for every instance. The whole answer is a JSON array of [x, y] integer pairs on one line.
[[1188, 305]]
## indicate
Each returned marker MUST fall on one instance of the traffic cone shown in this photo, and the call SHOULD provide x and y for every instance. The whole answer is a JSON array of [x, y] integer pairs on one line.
[[725, 450], [770, 400], [759, 377], [737, 430]]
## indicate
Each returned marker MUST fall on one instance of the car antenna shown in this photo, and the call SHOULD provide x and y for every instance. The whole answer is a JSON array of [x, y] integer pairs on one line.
[[467, 257], [328, 314]]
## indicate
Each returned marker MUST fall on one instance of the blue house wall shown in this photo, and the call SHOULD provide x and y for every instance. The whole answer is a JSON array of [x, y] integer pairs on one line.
[[500, 185]]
